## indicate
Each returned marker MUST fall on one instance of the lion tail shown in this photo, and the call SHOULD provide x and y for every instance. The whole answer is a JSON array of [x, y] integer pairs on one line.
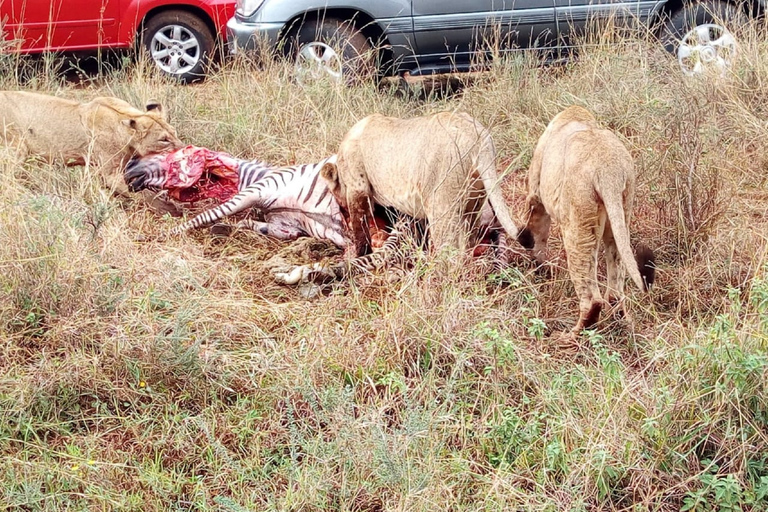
[[486, 168], [639, 268]]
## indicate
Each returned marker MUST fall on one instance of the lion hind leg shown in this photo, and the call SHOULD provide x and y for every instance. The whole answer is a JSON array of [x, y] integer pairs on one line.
[[581, 239], [448, 229]]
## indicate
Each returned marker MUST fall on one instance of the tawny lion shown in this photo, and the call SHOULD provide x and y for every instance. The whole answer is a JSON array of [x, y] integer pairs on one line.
[[440, 167], [104, 132], [582, 176]]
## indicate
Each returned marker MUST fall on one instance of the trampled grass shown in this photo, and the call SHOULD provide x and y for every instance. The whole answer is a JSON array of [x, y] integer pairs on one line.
[[177, 376]]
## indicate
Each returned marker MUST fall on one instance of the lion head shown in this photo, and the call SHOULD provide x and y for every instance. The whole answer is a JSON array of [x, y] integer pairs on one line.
[[150, 131]]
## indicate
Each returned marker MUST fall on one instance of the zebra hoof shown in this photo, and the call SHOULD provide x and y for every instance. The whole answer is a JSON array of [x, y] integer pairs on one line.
[[150, 238], [295, 276], [221, 230], [303, 274], [310, 290]]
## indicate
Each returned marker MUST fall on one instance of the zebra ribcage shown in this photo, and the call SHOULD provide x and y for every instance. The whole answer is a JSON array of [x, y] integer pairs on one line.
[[251, 171]]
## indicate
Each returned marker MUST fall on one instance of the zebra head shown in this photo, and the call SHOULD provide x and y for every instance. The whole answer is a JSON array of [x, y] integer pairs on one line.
[[146, 172]]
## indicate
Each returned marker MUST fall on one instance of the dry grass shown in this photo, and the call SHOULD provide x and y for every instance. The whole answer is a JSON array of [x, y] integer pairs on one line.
[[176, 376]]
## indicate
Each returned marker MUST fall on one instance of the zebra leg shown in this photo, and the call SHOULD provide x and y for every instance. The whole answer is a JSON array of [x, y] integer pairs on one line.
[[320, 272], [246, 198], [278, 231], [313, 272]]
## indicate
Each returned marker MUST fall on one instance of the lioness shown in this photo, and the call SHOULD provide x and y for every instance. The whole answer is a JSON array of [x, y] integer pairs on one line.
[[583, 177], [439, 167], [105, 132]]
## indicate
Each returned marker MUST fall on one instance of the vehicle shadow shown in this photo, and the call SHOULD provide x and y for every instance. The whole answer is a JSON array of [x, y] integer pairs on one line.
[[428, 87], [76, 69]]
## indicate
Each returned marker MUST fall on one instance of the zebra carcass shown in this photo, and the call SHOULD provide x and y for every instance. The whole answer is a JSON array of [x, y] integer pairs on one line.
[[293, 200]]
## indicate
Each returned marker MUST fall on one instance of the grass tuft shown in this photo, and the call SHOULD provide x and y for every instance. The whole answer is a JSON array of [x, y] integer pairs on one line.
[[177, 376]]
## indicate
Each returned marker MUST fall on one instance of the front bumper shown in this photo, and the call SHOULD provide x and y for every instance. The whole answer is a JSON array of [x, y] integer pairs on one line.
[[244, 37]]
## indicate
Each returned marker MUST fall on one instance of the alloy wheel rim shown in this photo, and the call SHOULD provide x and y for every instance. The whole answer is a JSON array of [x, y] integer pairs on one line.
[[175, 49], [706, 47], [317, 60]]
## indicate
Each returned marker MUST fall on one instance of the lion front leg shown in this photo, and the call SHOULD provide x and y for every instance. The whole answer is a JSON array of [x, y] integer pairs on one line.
[[159, 204], [359, 206], [114, 181]]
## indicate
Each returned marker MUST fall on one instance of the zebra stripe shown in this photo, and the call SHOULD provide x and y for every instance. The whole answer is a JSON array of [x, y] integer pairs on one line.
[[268, 188], [251, 171], [240, 201], [386, 255]]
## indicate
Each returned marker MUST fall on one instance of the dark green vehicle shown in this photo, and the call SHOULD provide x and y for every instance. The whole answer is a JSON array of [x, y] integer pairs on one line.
[[339, 37]]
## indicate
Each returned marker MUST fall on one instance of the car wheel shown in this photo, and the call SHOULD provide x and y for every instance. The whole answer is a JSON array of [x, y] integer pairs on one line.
[[179, 43], [698, 36], [332, 49]]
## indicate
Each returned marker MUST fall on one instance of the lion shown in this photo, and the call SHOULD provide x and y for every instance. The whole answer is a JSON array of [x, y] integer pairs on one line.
[[104, 132], [440, 167], [583, 177]]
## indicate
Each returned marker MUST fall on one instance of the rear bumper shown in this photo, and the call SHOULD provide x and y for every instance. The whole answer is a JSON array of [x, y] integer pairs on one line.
[[244, 37]]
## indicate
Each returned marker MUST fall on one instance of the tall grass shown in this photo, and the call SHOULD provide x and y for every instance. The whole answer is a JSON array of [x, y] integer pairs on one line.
[[177, 376]]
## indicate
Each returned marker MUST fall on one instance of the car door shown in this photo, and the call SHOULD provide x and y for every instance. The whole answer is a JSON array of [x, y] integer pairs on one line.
[[60, 24], [459, 28], [577, 17]]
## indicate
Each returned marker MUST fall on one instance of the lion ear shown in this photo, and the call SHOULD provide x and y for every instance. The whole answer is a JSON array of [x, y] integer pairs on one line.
[[130, 123], [330, 173], [154, 105]]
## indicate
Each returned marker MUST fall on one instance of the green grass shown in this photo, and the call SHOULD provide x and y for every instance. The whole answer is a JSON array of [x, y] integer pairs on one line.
[[177, 376]]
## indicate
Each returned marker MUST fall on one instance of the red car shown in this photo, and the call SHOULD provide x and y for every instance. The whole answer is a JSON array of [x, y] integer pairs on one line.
[[180, 35]]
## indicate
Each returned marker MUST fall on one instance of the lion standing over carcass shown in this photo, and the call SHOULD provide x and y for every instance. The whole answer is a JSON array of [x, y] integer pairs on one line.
[[582, 176], [441, 168], [104, 132]]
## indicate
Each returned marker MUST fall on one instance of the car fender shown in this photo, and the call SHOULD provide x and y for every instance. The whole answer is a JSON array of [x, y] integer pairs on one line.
[[285, 10], [135, 12], [393, 17]]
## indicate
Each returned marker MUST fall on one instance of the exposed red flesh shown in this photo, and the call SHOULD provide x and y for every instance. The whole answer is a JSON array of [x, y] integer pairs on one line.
[[195, 173], [377, 229], [482, 246]]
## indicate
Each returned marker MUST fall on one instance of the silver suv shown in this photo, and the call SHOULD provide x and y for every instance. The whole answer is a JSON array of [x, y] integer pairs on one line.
[[344, 38]]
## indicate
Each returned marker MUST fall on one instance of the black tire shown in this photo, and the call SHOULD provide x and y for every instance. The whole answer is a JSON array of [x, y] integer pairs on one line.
[[354, 48], [692, 15], [192, 62]]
